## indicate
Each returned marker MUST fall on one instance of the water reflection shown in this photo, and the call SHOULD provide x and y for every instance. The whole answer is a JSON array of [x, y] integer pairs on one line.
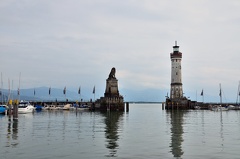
[[57, 123], [176, 117], [111, 131], [12, 135], [221, 131]]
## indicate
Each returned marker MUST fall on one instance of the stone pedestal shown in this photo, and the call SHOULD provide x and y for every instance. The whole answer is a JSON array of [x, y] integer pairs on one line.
[[112, 100], [111, 88]]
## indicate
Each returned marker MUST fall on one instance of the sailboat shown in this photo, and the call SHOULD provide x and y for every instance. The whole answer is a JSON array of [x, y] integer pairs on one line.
[[3, 107], [237, 106], [238, 95], [219, 107], [24, 106]]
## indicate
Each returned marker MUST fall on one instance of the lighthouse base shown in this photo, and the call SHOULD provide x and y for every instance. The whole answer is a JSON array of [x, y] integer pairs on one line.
[[178, 103]]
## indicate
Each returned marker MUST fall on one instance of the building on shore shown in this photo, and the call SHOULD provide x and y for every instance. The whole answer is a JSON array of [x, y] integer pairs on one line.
[[112, 99], [176, 99]]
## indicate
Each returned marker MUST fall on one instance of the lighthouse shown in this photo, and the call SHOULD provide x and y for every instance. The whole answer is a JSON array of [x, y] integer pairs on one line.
[[176, 99], [176, 73]]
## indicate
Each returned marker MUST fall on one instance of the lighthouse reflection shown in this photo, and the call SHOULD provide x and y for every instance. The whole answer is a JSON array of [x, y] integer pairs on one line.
[[176, 117], [112, 121]]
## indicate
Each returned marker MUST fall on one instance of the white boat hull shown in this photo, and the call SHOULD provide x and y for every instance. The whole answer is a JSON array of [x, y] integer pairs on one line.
[[67, 107], [197, 107], [28, 109], [219, 108], [25, 107]]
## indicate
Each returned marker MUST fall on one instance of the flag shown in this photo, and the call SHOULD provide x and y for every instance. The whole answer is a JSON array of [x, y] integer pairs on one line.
[[64, 90], [49, 91], [220, 93], [79, 90], [202, 93], [18, 91], [34, 92], [93, 90]]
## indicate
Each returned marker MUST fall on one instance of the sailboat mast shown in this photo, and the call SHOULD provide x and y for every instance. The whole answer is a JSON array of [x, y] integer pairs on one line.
[[238, 94], [220, 94], [19, 86], [1, 88], [196, 95], [9, 91]]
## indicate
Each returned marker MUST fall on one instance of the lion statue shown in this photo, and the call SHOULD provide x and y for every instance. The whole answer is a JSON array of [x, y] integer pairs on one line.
[[112, 73]]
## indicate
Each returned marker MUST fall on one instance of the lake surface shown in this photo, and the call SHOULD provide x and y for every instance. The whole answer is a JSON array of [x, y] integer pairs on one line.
[[146, 131]]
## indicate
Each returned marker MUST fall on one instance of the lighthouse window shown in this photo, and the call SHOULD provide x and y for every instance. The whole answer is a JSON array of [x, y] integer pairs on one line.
[[176, 73]]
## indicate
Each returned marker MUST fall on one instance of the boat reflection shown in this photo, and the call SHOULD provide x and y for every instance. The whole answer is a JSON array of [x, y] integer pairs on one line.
[[112, 121], [12, 134], [176, 117]]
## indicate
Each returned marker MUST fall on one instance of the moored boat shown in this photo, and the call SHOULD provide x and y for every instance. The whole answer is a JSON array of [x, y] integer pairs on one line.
[[231, 107], [54, 107], [219, 108], [67, 107], [25, 107], [197, 107], [38, 107], [46, 107], [3, 109]]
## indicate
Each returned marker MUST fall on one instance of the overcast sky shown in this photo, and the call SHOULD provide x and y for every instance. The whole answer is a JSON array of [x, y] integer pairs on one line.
[[75, 43]]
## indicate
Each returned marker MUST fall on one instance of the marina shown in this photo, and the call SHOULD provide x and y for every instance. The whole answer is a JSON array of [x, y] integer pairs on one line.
[[146, 131], [119, 79]]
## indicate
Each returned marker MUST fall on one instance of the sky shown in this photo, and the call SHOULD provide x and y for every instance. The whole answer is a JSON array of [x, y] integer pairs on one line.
[[75, 43]]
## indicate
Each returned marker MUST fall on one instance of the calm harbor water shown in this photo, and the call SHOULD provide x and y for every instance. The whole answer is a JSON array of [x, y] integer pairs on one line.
[[146, 131]]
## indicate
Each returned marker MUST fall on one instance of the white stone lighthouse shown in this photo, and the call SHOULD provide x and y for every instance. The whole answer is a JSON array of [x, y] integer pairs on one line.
[[176, 73]]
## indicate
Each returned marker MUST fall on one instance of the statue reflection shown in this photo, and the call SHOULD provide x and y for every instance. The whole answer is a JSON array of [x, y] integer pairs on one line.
[[111, 131], [12, 134], [176, 117]]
